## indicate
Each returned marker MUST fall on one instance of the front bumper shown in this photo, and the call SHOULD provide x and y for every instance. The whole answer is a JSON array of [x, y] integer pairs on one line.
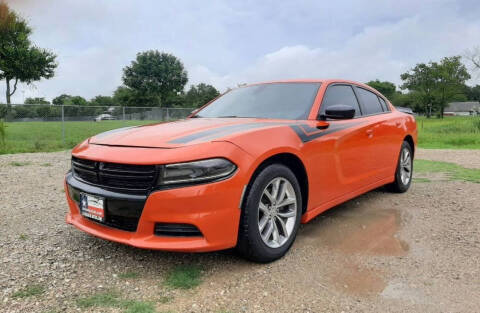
[[212, 208]]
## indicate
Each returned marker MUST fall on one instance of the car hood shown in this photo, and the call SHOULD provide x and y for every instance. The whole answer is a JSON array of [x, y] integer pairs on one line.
[[181, 133]]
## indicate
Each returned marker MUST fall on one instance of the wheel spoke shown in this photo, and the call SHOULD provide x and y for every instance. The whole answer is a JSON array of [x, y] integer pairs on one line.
[[275, 233], [286, 202], [263, 207], [262, 223], [269, 231], [269, 196], [287, 214], [275, 188], [283, 227], [282, 193]]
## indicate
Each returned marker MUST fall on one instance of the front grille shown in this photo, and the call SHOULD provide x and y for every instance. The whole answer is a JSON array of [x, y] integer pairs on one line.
[[176, 230], [124, 177]]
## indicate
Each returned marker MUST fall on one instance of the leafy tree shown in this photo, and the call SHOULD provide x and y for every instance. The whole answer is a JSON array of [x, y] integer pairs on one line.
[[36, 101], [386, 88], [199, 95], [129, 97], [437, 83], [102, 100], [62, 99], [472, 93], [20, 61], [155, 75]]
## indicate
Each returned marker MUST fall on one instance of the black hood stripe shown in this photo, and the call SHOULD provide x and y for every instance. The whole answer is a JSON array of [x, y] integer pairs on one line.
[[304, 132], [219, 132]]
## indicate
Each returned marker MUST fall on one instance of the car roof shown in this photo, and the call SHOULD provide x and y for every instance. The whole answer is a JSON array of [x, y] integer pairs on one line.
[[312, 80]]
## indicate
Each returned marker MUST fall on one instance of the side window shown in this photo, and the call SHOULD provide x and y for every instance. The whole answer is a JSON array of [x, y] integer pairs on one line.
[[340, 94], [384, 105], [370, 101]]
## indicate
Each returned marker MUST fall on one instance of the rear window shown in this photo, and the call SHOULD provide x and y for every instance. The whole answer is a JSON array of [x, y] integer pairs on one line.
[[384, 104], [340, 94], [370, 101]]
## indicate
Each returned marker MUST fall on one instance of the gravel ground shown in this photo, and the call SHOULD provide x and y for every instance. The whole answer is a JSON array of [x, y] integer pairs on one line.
[[465, 158], [381, 252]]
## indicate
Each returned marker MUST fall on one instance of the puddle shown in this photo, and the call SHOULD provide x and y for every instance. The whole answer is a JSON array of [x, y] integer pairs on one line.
[[358, 281], [352, 229]]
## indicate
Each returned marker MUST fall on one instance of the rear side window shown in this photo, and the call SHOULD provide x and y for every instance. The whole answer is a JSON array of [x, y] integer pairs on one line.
[[384, 104], [340, 94], [370, 101]]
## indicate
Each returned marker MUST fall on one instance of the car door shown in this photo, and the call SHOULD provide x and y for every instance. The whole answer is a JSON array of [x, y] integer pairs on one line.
[[342, 160], [379, 129]]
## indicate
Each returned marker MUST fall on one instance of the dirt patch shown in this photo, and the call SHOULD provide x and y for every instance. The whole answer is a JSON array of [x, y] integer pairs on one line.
[[465, 158]]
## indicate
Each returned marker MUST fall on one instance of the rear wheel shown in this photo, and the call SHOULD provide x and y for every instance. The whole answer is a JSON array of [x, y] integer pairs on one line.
[[404, 172], [271, 215]]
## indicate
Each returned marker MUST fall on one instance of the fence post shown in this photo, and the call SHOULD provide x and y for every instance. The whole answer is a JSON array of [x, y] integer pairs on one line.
[[123, 113], [63, 125], [168, 117]]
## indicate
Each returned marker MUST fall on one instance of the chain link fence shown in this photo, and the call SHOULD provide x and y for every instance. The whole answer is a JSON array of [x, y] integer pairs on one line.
[[31, 128]]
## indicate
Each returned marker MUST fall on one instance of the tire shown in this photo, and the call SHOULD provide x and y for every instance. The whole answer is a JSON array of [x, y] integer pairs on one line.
[[270, 220], [404, 167]]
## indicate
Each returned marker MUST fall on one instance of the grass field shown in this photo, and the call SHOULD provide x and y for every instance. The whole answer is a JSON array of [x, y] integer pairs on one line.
[[47, 136], [450, 132]]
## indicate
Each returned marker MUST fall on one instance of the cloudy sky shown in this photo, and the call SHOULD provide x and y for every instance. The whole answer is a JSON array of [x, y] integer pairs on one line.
[[224, 43]]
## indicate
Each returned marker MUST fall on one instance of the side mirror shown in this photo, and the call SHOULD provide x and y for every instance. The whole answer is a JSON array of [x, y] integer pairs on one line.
[[339, 112]]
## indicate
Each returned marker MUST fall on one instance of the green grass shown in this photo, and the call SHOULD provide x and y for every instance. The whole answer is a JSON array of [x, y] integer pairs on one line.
[[455, 132], [184, 277], [47, 136], [29, 291], [112, 299], [451, 132], [421, 180], [128, 275], [15, 163], [453, 171]]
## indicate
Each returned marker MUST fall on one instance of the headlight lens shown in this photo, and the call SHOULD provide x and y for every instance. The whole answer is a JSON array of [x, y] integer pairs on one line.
[[198, 171]]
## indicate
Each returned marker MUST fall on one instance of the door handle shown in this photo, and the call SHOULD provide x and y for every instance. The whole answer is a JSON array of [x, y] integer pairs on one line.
[[398, 124], [369, 133]]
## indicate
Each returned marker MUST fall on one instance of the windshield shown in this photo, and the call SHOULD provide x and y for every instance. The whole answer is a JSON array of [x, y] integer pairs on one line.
[[277, 101]]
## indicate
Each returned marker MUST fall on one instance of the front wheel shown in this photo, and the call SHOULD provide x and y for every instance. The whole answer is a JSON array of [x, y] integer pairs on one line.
[[271, 215], [404, 172]]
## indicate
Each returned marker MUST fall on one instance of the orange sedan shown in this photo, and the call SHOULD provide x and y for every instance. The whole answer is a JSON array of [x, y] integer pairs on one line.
[[243, 171]]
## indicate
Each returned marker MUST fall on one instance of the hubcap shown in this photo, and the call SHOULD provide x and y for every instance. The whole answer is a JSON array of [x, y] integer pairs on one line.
[[277, 212], [405, 166]]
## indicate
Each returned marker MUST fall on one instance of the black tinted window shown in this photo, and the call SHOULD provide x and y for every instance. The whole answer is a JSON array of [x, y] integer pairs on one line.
[[384, 104], [340, 94], [278, 100], [370, 101]]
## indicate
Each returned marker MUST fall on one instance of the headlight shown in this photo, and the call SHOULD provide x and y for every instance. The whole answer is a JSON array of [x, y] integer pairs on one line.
[[198, 171]]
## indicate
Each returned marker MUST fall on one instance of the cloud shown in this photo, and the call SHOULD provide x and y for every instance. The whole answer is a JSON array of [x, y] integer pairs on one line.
[[228, 42]]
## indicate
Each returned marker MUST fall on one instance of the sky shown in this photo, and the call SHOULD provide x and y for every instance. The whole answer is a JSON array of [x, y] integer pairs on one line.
[[225, 43]]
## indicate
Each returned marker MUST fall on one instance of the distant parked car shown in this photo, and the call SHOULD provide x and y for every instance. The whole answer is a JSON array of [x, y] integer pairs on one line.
[[104, 117]]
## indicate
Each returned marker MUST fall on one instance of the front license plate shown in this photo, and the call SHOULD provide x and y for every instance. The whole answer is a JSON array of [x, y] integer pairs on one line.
[[92, 207]]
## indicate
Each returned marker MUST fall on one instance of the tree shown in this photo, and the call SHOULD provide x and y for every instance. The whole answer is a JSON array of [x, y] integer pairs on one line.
[[199, 95], [386, 88], [126, 96], [36, 101], [437, 83], [62, 99], [20, 61], [155, 75], [472, 93], [102, 101]]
